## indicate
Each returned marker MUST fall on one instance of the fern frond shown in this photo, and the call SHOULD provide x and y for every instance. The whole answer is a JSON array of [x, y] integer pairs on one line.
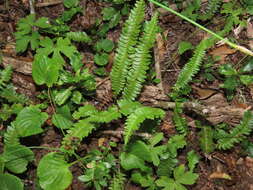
[[105, 116], [12, 96], [11, 136], [192, 67], [75, 135], [118, 181], [211, 9], [206, 139], [85, 111], [127, 41], [179, 121], [5, 75], [167, 166], [135, 119], [238, 133], [141, 60]]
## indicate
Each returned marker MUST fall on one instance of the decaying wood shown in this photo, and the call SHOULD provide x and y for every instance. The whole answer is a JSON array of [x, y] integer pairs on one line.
[[18, 65]]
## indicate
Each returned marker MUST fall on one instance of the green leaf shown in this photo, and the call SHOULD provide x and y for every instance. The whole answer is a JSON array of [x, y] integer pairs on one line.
[[141, 150], [130, 161], [186, 178], [246, 79], [79, 37], [42, 22], [100, 71], [70, 3], [248, 67], [77, 97], [62, 96], [192, 159], [62, 118], [101, 59], [85, 111], [16, 158], [166, 182], [227, 70], [156, 139], [174, 143], [45, 71], [184, 46], [105, 45], [53, 172], [206, 139], [10, 182], [108, 13], [29, 121]]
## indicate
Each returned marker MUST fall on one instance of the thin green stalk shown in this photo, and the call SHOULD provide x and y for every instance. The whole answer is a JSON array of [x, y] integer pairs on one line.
[[231, 44]]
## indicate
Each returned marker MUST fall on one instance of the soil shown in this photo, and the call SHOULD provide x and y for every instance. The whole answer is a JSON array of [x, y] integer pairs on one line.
[[233, 162]]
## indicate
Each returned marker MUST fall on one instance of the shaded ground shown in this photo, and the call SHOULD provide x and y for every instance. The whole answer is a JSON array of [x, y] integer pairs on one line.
[[232, 162]]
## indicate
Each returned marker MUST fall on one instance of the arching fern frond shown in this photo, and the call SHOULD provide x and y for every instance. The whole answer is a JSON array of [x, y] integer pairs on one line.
[[237, 134], [5, 76], [192, 67], [136, 118], [141, 60], [118, 181], [127, 41]]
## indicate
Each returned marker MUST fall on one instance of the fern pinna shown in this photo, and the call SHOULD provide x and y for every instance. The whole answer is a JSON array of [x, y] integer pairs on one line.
[[127, 41], [141, 60], [237, 134]]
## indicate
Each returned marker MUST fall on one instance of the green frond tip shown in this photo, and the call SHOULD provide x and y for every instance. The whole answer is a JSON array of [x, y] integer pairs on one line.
[[141, 60], [179, 121], [237, 134], [192, 67], [127, 41], [136, 118]]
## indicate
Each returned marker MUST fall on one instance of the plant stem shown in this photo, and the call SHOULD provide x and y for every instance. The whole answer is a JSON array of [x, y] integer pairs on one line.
[[231, 44]]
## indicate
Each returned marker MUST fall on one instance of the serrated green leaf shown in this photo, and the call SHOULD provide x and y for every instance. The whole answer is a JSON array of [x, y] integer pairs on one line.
[[17, 157], [246, 79], [29, 121], [10, 182], [184, 46], [186, 178], [141, 150], [53, 172], [192, 159], [45, 71], [105, 45], [62, 96], [101, 59], [227, 70], [42, 22], [79, 37], [70, 3]]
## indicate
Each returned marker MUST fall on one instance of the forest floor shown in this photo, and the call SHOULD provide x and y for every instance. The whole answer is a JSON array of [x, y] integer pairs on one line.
[[213, 168]]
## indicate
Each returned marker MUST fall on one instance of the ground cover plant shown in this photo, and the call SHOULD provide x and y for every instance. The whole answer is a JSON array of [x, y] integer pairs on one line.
[[124, 94]]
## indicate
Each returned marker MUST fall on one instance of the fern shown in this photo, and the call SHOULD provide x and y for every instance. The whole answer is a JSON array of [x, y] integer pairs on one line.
[[237, 134], [206, 139], [192, 67], [135, 119], [141, 60], [117, 182], [84, 127], [5, 76], [11, 136], [12, 96], [179, 121], [212, 8], [127, 41]]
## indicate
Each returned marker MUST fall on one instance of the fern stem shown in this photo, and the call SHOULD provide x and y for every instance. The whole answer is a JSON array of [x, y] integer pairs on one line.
[[231, 44]]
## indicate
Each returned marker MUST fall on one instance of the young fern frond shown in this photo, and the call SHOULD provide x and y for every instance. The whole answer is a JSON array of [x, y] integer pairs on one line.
[[141, 60], [118, 181], [192, 67], [206, 139], [179, 121], [136, 118], [11, 136], [237, 134], [127, 41]]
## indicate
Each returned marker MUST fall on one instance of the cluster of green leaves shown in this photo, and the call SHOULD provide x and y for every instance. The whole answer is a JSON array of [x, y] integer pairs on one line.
[[233, 78], [140, 156], [220, 138]]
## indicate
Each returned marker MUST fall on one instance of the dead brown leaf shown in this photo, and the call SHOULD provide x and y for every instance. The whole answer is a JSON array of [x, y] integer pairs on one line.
[[204, 93], [222, 52], [220, 175]]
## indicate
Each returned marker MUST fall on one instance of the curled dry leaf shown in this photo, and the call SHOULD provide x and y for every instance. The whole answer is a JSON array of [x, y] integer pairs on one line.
[[220, 175]]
